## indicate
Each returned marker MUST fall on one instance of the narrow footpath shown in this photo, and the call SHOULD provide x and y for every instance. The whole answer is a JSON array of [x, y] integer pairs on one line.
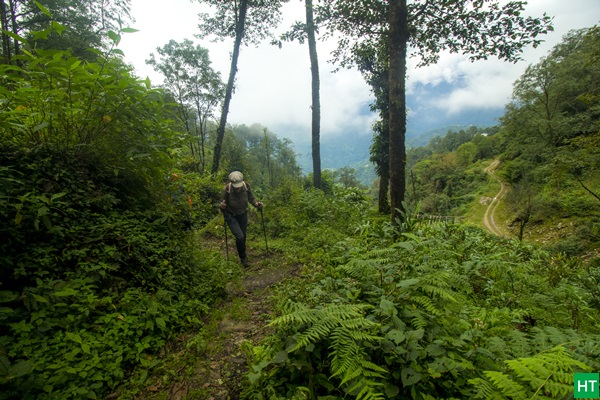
[[488, 218], [212, 364]]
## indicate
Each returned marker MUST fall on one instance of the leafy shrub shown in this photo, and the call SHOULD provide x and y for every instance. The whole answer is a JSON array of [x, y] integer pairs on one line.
[[97, 274]]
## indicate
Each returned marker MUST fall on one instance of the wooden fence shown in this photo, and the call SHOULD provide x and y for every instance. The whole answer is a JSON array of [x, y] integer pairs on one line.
[[438, 219]]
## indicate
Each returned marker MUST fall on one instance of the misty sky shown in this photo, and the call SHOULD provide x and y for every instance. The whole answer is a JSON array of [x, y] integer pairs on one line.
[[273, 85]]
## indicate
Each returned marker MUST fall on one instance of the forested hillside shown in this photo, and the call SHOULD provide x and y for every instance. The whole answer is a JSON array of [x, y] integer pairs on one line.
[[548, 148], [119, 280]]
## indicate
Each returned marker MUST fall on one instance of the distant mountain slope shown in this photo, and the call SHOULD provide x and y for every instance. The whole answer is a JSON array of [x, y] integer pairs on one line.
[[352, 150], [336, 152]]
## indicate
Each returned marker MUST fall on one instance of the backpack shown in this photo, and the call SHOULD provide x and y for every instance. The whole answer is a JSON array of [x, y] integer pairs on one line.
[[228, 187]]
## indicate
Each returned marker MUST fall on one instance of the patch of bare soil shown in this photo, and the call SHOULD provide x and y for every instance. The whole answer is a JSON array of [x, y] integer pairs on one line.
[[488, 218]]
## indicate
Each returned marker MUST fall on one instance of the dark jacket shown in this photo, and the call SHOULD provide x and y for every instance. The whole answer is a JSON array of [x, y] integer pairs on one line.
[[237, 199]]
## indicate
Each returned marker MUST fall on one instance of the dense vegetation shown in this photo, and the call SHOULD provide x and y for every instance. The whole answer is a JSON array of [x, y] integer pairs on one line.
[[441, 313], [104, 200]]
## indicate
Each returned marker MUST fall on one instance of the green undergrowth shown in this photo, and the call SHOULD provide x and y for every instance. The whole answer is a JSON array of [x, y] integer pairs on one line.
[[442, 312], [98, 272]]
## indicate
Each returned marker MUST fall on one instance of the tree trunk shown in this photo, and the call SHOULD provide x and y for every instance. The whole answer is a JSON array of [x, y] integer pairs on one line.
[[398, 24], [384, 184], [5, 37], [203, 144], [239, 34], [13, 18], [316, 101]]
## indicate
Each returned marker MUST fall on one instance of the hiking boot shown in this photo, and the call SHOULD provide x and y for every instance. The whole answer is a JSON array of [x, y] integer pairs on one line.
[[245, 262]]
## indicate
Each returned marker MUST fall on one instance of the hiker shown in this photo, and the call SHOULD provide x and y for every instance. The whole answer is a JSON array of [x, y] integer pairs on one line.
[[234, 206]]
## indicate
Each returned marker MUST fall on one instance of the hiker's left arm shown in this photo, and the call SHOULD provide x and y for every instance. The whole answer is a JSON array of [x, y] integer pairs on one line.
[[252, 200]]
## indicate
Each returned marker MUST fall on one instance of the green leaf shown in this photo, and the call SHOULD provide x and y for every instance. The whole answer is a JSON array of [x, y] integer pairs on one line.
[[40, 126], [435, 350], [7, 296], [74, 337], [388, 307], [114, 36], [410, 376], [15, 36], [395, 336], [42, 8], [74, 63], [415, 335], [58, 27], [406, 245], [40, 298], [161, 322], [43, 34], [66, 292], [143, 376], [391, 390], [4, 365], [57, 196], [129, 30], [21, 368], [408, 282]]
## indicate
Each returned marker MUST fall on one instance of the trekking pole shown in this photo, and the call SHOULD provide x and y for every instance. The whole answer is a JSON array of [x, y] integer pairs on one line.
[[226, 244], [262, 217]]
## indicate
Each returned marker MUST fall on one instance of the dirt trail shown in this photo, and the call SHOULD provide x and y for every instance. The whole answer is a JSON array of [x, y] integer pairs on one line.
[[246, 314], [217, 372], [488, 218]]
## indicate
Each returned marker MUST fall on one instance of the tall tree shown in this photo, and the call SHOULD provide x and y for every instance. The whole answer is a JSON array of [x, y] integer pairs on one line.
[[315, 93], [373, 64], [195, 86], [246, 21], [307, 32], [478, 28]]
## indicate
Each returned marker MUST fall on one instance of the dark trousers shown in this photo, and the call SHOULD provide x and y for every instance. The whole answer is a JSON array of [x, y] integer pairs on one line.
[[237, 225]]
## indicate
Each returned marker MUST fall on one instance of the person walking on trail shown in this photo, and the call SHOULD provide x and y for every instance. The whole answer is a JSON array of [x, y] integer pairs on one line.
[[234, 205]]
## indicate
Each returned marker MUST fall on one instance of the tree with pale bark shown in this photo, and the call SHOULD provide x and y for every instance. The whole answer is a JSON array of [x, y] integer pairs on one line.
[[247, 22]]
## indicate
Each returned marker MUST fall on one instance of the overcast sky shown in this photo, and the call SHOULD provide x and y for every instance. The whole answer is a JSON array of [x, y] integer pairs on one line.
[[273, 85]]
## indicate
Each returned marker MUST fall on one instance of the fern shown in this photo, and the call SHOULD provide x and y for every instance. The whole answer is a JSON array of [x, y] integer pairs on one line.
[[507, 386], [546, 375], [346, 330]]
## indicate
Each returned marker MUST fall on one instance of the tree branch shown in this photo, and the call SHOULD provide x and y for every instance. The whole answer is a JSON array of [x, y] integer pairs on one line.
[[419, 12], [583, 186]]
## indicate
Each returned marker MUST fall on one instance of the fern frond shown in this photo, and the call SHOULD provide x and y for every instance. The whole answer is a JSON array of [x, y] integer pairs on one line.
[[368, 391], [302, 315], [548, 374], [485, 390], [315, 333], [507, 386], [363, 270], [427, 304], [417, 318]]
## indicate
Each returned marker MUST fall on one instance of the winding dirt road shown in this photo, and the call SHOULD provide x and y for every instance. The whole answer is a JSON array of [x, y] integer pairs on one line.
[[488, 218]]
